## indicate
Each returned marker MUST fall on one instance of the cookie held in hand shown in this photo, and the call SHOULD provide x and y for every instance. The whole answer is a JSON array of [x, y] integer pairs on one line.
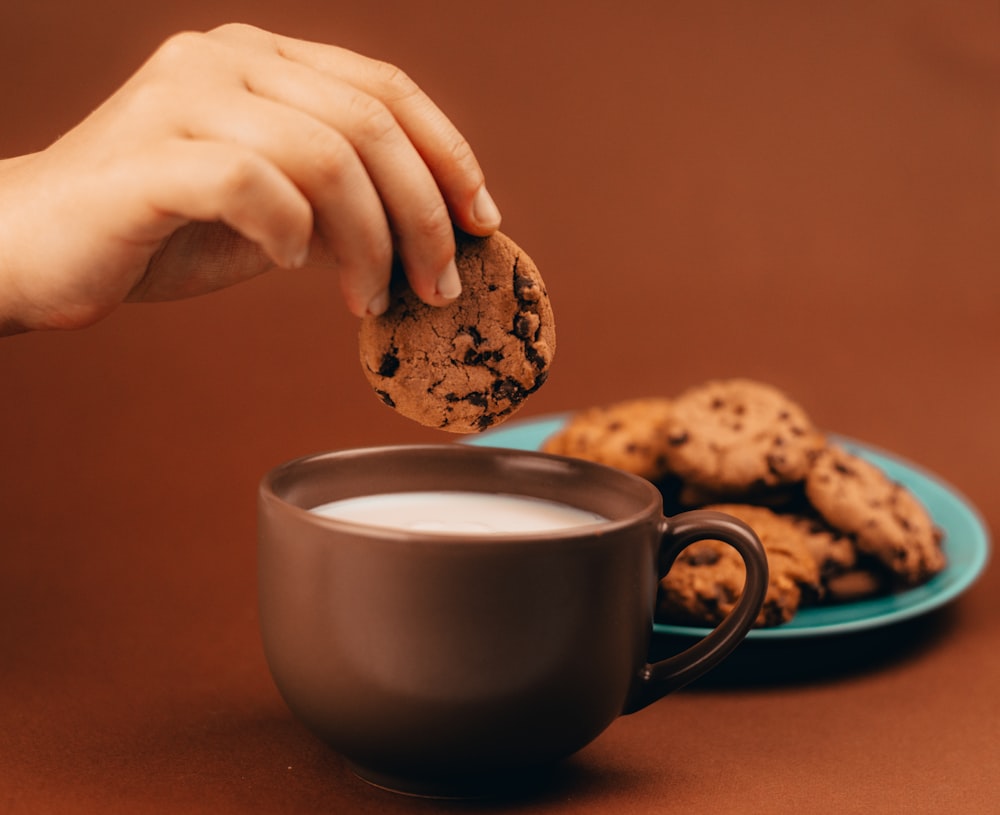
[[471, 364]]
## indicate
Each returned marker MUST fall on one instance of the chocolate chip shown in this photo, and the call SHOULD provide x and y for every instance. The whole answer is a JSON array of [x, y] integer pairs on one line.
[[534, 356], [510, 389], [472, 331], [389, 364], [539, 381], [483, 358], [487, 420], [477, 398], [842, 468]]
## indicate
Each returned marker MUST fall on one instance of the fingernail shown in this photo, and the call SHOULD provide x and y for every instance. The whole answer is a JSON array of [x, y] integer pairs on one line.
[[379, 303], [299, 260], [449, 285], [485, 211]]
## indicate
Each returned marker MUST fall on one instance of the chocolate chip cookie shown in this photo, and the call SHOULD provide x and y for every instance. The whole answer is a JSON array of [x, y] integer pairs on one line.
[[471, 364], [846, 575], [739, 434], [629, 435], [706, 580], [886, 520], [833, 551]]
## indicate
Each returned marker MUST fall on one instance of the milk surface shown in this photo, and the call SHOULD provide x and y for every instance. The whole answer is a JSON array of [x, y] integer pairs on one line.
[[460, 513]]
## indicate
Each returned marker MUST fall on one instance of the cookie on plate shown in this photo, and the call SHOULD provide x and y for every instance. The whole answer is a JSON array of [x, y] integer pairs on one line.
[[780, 498], [738, 434], [846, 575], [706, 580], [865, 580], [886, 520], [629, 435], [471, 364], [833, 551]]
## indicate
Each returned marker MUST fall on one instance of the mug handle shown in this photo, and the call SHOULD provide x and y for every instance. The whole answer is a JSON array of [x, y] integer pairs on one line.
[[658, 679]]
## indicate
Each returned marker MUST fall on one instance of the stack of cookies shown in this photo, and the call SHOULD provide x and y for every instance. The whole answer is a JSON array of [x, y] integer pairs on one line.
[[834, 526]]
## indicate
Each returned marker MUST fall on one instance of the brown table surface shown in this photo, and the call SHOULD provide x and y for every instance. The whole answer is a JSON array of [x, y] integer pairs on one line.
[[805, 193]]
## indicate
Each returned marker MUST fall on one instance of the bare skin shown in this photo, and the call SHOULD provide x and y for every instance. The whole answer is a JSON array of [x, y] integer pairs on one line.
[[229, 154]]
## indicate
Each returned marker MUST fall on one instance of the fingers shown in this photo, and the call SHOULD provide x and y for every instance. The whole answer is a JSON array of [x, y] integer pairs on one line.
[[350, 217], [446, 152], [196, 180], [381, 167], [420, 220], [423, 169]]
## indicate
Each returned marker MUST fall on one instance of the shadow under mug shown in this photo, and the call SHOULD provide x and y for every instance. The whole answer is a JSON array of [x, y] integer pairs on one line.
[[448, 665]]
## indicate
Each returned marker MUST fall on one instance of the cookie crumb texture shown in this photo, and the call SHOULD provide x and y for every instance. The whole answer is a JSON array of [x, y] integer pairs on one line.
[[469, 365], [630, 435], [738, 434]]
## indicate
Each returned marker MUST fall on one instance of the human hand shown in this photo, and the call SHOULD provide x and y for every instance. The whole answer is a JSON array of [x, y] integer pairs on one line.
[[230, 153]]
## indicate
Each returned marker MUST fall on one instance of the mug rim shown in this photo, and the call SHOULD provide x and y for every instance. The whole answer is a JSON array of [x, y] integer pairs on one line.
[[268, 490]]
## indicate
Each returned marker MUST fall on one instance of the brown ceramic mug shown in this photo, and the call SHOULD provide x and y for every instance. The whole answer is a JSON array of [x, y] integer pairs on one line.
[[443, 664]]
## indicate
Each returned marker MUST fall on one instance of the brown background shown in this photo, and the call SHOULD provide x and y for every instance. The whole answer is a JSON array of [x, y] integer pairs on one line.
[[807, 193]]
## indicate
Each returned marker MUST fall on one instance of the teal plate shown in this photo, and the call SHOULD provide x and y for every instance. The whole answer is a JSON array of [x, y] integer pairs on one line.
[[966, 543]]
